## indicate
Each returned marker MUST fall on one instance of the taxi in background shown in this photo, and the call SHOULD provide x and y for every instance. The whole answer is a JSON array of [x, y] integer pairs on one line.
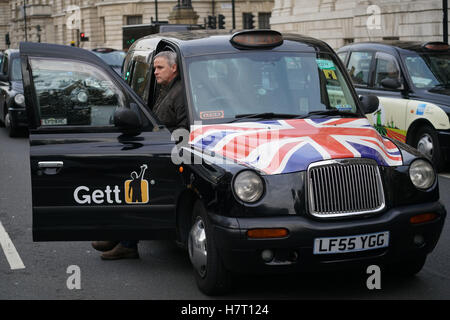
[[12, 101], [412, 82], [279, 172]]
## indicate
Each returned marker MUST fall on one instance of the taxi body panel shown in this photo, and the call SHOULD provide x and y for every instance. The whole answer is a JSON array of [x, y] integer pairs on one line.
[[124, 175]]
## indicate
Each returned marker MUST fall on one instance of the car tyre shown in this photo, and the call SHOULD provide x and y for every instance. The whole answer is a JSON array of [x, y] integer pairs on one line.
[[210, 273], [13, 131], [408, 267], [427, 143]]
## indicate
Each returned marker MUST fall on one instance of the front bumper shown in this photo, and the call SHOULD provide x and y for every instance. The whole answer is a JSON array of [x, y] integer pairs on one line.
[[444, 143], [295, 252], [18, 117]]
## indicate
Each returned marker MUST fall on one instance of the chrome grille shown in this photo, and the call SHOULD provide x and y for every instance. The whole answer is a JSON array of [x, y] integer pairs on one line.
[[344, 187]]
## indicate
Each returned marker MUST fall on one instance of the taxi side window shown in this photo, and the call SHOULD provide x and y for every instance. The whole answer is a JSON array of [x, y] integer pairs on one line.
[[359, 67], [342, 56], [70, 93], [140, 77], [5, 65], [386, 68]]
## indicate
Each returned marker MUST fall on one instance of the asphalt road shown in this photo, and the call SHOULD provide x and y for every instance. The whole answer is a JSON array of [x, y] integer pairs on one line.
[[164, 271]]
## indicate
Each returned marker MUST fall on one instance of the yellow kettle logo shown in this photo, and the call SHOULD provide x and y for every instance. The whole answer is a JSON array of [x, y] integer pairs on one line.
[[136, 189]]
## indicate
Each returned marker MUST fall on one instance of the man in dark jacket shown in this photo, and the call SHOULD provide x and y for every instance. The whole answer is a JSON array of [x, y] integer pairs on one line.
[[171, 111], [169, 106]]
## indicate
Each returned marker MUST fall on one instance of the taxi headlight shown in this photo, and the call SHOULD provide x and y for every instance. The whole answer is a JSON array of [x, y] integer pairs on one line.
[[422, 174], [248, 186], [19, 99]]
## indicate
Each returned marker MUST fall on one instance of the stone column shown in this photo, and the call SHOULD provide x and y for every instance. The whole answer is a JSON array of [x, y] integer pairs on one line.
[[183, 13]]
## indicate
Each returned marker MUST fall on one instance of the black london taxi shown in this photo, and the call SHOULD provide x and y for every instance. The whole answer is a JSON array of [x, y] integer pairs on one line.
[[412, 82], [12, 100], [280, 170]]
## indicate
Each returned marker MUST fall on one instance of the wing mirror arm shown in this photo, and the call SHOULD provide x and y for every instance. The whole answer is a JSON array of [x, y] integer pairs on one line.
[[127, 121], [369, 103]]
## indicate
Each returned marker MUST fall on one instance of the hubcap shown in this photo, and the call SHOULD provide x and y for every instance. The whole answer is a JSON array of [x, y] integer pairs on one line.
[[425, 145], [7, 120], [197, 247]]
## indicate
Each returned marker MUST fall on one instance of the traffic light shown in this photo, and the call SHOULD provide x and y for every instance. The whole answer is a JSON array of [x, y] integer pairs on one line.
[[83, 37], [221, 21], [212, 22], [7, 40], [251, 21]]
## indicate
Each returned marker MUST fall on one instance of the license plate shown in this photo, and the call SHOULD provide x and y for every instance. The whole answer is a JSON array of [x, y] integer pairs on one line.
[[54, 121], [360, 242]]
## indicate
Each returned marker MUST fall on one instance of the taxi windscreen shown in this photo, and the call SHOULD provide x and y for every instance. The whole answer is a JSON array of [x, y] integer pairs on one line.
[[226, 85], [429, 70]]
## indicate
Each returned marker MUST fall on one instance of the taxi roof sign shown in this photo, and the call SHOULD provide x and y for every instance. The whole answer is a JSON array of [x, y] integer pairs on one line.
[[439, 46], [252, 39]]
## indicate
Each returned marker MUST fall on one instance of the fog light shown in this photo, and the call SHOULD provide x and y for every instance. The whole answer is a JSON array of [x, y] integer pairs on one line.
[[419, 240], [267, 255], [293, 256]]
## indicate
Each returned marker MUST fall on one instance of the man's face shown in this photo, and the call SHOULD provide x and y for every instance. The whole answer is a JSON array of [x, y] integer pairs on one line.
[[163, 72]]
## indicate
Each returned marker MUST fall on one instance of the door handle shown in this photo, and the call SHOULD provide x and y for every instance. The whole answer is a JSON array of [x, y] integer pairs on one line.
[[50, 167], [50, 164]]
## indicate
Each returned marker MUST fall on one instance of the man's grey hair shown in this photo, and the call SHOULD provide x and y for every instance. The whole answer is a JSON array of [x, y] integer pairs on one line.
[[170, 56]]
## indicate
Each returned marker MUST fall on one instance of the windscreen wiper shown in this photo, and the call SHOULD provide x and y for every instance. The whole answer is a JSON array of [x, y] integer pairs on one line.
[[441, 85], [263, 115], [330, 112]]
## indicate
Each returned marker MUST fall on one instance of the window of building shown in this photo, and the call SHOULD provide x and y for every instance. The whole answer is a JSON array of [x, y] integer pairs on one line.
[[134, 20], [264, 20]]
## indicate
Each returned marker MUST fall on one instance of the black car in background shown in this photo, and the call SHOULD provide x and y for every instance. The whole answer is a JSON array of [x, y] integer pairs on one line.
[[412, 82], [12, 100], [112, 57]]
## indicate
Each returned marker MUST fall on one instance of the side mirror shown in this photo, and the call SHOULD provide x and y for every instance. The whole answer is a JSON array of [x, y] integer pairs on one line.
[[369, 103], [127, 121], [391, 83], [3, 77]]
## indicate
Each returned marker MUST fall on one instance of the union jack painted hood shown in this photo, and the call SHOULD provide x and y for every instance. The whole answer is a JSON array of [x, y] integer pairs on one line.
[[284, 146]]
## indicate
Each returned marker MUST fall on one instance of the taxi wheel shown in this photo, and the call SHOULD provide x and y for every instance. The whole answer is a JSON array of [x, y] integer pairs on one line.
[[210, 274], [427, 142], [12, 129], [408, 267]]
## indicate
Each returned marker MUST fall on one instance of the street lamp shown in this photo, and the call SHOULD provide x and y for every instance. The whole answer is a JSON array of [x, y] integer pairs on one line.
[[25, 18], [445, 22]]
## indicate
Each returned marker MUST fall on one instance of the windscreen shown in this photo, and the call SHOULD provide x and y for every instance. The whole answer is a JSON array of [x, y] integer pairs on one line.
[[16, 72], [429, 70], [114, 58], [225, 85]]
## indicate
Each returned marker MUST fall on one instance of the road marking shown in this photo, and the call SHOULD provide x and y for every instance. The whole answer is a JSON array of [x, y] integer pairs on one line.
[[10, 251], [445, 175]]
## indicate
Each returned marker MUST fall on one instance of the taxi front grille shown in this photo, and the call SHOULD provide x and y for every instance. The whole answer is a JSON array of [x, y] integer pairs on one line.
[[339, 188]]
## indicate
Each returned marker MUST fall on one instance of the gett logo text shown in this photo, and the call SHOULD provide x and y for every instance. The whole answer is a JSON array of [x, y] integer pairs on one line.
[[83, 195]]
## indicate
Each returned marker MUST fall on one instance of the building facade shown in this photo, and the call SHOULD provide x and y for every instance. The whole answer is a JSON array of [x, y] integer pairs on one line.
[[340, 22], [61, 21]]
